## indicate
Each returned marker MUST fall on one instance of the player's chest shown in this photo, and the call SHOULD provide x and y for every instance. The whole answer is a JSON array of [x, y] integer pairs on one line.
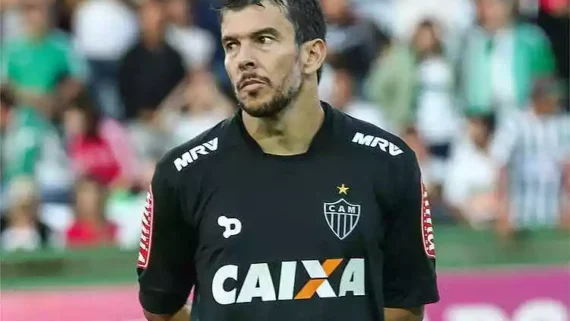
[[290, 209]]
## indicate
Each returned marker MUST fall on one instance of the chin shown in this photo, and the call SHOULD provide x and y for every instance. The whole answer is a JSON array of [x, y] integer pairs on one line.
[[260, 109]]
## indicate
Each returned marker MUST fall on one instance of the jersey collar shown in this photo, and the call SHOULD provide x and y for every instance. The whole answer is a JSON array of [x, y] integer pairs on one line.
[[320, 140]]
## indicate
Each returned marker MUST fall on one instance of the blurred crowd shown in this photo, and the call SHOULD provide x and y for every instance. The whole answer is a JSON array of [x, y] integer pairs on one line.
[[94, 92]]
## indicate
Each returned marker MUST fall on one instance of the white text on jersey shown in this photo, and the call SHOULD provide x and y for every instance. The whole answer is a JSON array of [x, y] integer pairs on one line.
[[194, 153], [258, 282], [372, 141]]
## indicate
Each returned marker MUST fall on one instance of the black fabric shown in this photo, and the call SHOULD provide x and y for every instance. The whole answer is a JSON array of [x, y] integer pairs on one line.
[[147, 76], [292, 215]]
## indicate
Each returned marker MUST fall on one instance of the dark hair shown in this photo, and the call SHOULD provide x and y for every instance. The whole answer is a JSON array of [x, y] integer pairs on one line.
[[488, 119], [6, 98], [85, 104], [306, 16], [431, 25]]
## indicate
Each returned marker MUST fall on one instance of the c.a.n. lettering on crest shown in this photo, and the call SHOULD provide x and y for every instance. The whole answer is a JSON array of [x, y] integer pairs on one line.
[[372, 141], [194, 153], [146, 231]]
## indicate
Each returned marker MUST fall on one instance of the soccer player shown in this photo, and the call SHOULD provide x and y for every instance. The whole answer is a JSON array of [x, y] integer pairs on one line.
[[290, 210]]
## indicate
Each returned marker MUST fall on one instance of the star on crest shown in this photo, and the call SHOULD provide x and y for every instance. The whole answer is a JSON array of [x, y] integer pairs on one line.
[[343, 189]]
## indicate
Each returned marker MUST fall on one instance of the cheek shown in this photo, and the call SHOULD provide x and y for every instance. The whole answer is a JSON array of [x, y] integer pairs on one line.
[[231, 68], [285, 71]]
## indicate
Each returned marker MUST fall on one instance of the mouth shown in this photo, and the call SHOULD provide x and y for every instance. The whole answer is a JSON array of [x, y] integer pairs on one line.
[[251, 84]]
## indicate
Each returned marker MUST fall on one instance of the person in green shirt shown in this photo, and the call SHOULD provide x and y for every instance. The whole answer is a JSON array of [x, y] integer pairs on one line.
[[42, 73], [40, 66], [501, 58]]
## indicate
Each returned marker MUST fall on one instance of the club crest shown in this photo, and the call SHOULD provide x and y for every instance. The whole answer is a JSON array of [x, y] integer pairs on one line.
[[341, 217]]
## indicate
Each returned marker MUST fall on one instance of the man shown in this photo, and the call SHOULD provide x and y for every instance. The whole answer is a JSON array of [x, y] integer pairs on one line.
[[500, 58], [533, 151], [151, 68], [290, 210], [40, 67]]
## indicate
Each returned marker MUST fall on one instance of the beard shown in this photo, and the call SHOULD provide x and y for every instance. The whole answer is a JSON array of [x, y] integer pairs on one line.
[[278, 103]]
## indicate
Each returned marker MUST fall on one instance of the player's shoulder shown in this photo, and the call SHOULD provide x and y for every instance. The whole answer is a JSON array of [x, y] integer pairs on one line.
[[368, 140], [197, 151]]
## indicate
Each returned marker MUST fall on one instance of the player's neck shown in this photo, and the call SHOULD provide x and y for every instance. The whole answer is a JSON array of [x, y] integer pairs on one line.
[[291, 132]]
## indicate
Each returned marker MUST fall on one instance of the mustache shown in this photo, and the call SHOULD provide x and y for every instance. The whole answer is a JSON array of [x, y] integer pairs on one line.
[[248, 79]]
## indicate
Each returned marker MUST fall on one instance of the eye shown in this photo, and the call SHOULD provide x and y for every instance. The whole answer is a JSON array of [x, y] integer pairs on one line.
[[230, 45], [265, 40]]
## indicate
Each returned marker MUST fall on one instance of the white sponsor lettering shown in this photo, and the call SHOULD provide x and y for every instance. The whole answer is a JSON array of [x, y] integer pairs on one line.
[[193, 154], [259, 284], [352, 280], [372, 141], [220, 294]]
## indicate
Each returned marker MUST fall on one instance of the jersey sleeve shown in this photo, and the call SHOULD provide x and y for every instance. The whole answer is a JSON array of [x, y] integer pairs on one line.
[[409, 263], [165, 264]]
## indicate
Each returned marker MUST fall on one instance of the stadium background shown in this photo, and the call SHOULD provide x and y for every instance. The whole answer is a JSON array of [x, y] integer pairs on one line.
[[107, 86]]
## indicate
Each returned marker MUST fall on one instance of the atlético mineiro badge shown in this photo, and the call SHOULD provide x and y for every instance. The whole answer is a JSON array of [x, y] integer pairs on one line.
[[427, 226], [146, 231], [341, 217]]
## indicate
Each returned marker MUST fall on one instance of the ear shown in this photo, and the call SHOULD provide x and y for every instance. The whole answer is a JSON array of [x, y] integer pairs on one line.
[[313, 55]]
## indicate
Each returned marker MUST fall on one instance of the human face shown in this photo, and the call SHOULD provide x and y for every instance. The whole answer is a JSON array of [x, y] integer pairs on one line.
[[89, 201], [262, 58], [494, 14], [478, 131], [152, 19], [36, 16]]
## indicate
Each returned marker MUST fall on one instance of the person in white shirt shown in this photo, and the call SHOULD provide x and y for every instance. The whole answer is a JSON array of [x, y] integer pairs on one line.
[[194, 44], [104, 30], [344, 99], [470, 182]]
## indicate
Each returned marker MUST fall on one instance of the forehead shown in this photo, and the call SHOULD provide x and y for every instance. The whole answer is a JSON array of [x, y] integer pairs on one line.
[[240, 23]]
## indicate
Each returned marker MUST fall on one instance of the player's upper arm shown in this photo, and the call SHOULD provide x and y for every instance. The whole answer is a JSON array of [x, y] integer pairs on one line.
[[409, 254], [165, 263]]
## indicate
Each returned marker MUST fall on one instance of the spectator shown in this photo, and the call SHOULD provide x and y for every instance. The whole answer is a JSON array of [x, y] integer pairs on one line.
[[554, 19], [20, 227], [94, 21], [349, 36], [533, 150], [391, 81], [471, 176], [10, 23], [99, 146], [195, 44], [151, 69], [39, 66], [206, 105], [6, 105], [501, 58], [434, 100], [344, 99], [90, 227]]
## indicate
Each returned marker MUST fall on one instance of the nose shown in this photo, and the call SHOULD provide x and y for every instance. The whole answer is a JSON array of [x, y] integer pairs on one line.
[[246, 60]]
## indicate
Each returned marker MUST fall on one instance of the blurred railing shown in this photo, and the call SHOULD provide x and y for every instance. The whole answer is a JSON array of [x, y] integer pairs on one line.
[[457, 249]]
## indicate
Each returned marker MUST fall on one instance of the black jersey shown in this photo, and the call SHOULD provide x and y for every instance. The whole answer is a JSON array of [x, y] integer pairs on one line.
[[336, 233]]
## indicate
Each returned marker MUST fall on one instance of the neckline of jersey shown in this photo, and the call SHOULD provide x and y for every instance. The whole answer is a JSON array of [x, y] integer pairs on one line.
[[318, 143]]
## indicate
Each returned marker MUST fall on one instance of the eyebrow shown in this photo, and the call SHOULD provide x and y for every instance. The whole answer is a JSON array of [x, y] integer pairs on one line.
[[257, 33]]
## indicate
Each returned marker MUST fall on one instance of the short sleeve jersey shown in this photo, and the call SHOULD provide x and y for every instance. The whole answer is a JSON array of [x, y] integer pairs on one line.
[[336, 233], [40, 65]]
